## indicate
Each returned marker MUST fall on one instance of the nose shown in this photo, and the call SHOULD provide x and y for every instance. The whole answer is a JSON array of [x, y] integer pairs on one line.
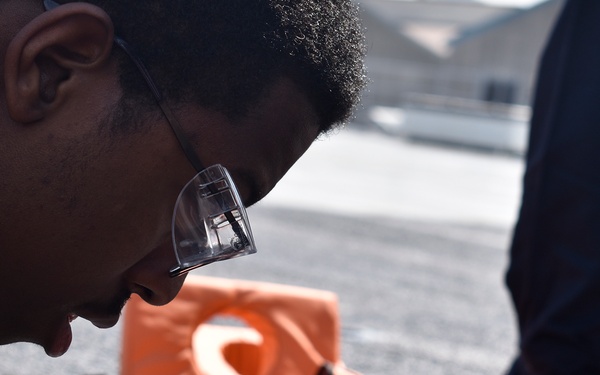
[[149, 278]]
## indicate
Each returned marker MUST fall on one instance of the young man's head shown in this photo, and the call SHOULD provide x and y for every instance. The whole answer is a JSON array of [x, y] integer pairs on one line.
[[90, 166]]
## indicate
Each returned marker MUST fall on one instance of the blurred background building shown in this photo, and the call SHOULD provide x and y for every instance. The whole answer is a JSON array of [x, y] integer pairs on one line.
[[472, 62]]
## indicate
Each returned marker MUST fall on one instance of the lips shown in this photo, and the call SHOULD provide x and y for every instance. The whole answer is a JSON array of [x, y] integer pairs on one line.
[[103, 321], [61, 340], [101, 315]]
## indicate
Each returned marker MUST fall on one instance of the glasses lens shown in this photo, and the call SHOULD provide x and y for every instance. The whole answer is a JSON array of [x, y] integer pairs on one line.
[[209, 222]]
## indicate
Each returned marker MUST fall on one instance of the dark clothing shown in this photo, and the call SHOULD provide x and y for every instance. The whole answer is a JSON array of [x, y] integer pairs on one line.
[[554, 276]]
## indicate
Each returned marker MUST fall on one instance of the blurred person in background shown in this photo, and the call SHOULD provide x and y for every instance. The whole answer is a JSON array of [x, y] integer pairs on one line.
[[114, 112], [554, 275]]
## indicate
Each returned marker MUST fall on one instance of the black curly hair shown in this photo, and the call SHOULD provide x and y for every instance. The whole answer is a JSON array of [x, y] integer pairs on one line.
[[223, 54]]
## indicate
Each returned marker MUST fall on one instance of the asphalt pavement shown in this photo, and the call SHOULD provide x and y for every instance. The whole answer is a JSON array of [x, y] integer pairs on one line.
[[411, 236]]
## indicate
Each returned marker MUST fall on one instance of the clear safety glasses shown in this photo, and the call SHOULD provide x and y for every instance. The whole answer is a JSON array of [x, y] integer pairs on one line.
[[209, 222], [209, 218]]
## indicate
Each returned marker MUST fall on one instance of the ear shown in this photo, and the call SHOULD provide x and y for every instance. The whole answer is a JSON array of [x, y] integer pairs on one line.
[[44, 59]]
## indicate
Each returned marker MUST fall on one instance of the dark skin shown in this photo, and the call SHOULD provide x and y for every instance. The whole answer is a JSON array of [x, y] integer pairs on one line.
[[86, 215]]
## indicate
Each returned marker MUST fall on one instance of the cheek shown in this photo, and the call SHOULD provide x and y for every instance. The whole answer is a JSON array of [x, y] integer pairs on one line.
[[110, 230], [129, 231]]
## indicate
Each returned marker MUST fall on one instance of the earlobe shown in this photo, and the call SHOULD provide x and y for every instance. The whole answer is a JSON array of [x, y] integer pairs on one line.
[[44, 57]]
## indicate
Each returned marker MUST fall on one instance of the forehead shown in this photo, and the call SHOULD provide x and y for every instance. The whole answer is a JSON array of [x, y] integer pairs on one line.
[[259, 148]]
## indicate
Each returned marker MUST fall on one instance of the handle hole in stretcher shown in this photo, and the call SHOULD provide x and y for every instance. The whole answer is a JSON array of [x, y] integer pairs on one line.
[[227, 345]]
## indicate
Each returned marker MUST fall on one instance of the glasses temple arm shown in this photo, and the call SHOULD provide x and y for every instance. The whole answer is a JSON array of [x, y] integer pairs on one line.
[[173, 122], [176, 127]]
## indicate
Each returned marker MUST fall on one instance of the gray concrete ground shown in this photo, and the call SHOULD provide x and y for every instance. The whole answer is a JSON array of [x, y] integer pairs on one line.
[[412, 237]]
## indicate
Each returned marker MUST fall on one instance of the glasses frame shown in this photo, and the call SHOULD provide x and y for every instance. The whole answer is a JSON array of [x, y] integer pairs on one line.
[[177, 129]]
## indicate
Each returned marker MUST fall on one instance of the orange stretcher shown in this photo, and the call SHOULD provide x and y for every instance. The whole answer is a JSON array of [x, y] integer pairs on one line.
[[287, 330]]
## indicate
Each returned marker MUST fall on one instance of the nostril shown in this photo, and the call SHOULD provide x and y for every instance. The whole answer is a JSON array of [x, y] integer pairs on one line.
[[146, 293], [149, 277]]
